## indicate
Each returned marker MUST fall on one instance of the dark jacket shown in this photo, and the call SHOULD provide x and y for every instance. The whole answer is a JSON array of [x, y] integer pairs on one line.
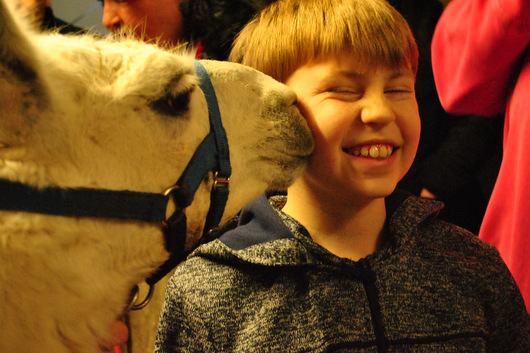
[[458, 157], [265, 286], [217, 22]]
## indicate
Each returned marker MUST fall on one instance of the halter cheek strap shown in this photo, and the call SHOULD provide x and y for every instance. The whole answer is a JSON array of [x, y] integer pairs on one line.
[[211, 155]]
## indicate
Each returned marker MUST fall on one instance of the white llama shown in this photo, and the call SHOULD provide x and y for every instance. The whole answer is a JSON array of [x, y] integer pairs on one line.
[[76, 112]]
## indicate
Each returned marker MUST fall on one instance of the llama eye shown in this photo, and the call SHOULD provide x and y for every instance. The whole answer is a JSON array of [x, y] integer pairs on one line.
[[172, 105]]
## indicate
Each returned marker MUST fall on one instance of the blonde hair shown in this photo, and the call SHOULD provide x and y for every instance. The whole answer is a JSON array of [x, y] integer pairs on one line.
[[290, 33]]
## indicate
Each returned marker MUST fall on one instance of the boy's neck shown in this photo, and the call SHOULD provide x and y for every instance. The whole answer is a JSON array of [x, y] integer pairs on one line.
[[351, 230]]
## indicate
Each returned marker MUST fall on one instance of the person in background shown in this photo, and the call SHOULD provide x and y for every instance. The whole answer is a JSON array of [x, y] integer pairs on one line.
[[208, 25], [163, 21], [344, 262], [481, 63]]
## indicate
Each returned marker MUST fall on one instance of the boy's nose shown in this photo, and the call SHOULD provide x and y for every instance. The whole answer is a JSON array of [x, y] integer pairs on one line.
[[111, 18], [377, 111]]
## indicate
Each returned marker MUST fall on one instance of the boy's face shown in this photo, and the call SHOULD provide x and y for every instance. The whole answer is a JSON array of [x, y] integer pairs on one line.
[[149, 19], [365, 124]]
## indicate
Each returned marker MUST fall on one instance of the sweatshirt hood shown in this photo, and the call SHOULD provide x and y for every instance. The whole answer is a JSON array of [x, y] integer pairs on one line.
[[265, 236]]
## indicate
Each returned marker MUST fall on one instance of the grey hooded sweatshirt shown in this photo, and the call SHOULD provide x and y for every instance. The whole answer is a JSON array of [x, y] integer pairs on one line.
[[266, 286]]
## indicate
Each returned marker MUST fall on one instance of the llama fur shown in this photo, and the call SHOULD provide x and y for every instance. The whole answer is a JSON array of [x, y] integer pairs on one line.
[[77, 111]]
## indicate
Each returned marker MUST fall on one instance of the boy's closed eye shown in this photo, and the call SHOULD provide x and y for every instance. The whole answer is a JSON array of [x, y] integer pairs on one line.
[[399, 92], [401, 84], [344, 93]]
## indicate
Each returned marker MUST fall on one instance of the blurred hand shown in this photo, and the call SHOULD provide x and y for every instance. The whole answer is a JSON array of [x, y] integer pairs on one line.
[[119, 334], [35, 8], [427, 194]]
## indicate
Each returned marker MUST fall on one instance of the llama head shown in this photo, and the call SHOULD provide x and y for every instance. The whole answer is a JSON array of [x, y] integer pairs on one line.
[[81, 112]]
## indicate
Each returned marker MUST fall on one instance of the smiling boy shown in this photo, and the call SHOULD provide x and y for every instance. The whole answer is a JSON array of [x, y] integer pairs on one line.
[[344, 262], [366, 128]]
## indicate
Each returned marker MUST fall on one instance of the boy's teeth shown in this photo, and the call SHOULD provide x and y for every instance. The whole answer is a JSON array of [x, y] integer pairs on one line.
[[374, 151]]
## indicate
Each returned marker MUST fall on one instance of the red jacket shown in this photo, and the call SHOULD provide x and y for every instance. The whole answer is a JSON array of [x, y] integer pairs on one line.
[[481, 63]]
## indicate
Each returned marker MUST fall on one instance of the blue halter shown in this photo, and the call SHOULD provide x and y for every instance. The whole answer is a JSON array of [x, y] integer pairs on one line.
[[211, 155]]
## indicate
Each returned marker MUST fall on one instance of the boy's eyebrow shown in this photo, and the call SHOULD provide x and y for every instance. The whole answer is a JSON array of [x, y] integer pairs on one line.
[[334, 75], [347, 73], [402, 72]]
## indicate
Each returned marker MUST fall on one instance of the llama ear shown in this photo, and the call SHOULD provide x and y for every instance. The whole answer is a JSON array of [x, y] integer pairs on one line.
[[16, 52]]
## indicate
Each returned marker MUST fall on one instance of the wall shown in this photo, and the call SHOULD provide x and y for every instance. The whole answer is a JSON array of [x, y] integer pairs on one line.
[[84, 13]]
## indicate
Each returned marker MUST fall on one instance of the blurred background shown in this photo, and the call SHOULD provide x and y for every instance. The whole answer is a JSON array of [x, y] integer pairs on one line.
[[88, 13], [81, 13]]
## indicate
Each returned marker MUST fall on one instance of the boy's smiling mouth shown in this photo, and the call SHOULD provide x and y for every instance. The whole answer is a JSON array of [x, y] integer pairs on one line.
[[377, 151]]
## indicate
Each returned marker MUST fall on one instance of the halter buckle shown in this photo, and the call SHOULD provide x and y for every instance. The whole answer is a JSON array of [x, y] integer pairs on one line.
[[220, 181]]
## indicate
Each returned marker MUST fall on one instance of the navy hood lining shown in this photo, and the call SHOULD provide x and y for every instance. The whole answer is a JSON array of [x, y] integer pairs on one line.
[[258, 223]]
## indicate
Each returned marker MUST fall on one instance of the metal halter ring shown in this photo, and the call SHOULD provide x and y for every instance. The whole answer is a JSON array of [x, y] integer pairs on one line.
[[134, 298], [170, 189]]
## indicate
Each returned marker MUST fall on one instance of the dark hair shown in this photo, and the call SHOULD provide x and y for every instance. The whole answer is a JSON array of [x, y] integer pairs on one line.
[[216, 23]]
